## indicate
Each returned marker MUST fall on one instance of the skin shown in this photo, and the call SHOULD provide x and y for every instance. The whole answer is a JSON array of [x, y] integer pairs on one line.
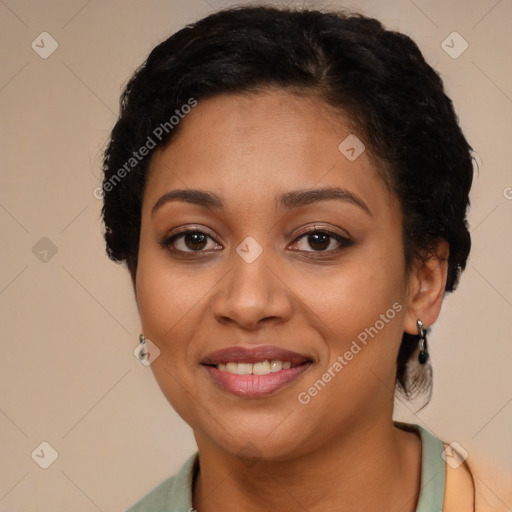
[[248, 149]]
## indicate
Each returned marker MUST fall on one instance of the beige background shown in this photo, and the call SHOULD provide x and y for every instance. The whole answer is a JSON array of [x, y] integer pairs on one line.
[[69, 324]]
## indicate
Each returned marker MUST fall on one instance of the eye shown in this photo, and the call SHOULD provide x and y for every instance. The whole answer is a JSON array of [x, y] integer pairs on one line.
[[321, 240], [196, 241], [188, 241]]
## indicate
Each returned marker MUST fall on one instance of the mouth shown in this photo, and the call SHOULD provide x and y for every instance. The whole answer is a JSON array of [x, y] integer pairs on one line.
[[255, 372], [259, 368]]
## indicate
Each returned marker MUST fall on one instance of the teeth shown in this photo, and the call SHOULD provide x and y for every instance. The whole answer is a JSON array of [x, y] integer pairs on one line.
[[260, 368], [232, 367], [244, 368], [276, 366]]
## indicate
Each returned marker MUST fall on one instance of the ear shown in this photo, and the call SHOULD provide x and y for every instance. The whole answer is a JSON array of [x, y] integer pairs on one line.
[[427, 281], [133, 277], [134, 283]]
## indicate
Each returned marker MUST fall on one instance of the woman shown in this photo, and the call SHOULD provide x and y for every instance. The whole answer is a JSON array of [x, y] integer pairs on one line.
[[288, 190]]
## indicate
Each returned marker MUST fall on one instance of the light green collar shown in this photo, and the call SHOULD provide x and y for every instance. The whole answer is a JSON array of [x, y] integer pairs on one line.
[[175, 493]]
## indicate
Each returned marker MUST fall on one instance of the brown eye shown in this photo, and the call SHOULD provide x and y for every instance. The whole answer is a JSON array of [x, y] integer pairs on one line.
[[187, 241], [195, 241], [320, 241]]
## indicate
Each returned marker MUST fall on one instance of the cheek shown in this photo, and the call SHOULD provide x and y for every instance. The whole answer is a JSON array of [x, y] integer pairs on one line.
[[166, 298], [164, 293], [352, 297], [162, 299], [171, 297], [359, 309]]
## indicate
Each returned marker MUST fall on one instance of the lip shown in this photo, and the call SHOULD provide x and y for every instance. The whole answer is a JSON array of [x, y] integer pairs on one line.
[[255, 386], [253, 355]]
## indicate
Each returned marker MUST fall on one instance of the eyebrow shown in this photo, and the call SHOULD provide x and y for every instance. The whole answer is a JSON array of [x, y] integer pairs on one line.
[[289, 200]]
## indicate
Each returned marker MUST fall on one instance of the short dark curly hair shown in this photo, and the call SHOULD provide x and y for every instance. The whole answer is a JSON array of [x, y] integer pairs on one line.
[[378, 77]]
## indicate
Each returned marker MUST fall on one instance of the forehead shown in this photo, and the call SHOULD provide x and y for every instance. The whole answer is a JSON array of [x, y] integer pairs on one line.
[[267, 142]]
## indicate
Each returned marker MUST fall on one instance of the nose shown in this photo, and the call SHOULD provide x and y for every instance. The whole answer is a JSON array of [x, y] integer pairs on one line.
[[252, 294]]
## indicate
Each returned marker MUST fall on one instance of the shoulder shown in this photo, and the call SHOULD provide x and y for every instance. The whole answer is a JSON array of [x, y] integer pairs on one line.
[[493, 484], [460, 483], [155, 500], [476, 484], [172, 494]]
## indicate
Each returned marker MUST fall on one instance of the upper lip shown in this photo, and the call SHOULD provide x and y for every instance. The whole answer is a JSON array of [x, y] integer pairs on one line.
[[253, 355]]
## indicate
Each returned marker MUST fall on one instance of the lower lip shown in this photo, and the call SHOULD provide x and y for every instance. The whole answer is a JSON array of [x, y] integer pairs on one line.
[[256, 386]]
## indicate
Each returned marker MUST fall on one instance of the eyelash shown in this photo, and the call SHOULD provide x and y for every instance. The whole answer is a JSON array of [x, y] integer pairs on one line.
[[344, 242]]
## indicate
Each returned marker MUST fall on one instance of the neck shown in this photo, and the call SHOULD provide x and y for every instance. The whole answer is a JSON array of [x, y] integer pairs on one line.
[[377, 467]]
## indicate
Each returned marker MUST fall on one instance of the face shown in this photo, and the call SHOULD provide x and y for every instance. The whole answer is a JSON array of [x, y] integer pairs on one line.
[[277, 294]]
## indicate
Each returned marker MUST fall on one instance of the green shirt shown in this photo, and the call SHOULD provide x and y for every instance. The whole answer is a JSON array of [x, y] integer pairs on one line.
[[175, 493]]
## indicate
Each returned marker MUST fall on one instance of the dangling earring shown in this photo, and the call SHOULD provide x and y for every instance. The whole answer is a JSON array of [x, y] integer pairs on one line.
[[146, 352], [422, 335], [140, 352]]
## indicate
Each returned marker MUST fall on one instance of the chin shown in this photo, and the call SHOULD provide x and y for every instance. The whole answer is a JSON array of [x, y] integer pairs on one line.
[[256, 444]]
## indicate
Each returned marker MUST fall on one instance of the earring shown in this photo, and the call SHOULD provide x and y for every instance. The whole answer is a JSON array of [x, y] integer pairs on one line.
[[147, 351], [422, 335], [140, 352]]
